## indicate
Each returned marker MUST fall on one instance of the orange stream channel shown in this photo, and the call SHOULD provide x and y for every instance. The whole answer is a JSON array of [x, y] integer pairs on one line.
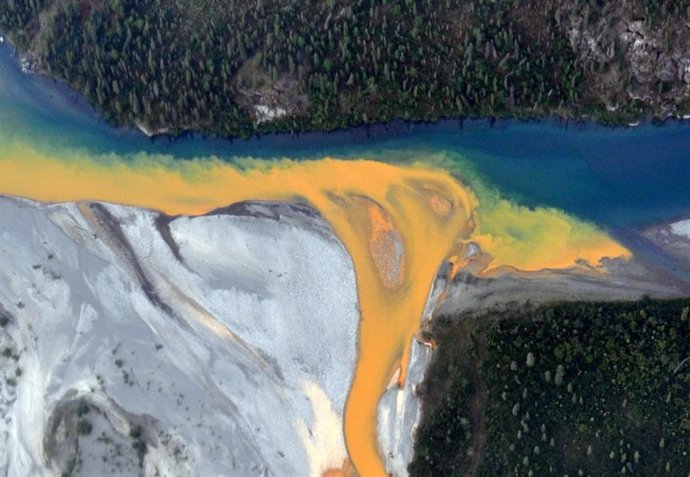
[[397, 223]]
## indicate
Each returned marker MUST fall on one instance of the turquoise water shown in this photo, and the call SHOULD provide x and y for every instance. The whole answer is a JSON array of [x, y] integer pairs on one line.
[[617, 178]]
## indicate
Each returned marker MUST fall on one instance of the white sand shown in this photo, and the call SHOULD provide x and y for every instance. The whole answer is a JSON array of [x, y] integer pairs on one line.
[[242, 368], [681, 228]]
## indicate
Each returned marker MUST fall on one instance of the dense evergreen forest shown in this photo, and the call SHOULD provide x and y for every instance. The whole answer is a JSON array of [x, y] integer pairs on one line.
[[233, 67], [577, 389]]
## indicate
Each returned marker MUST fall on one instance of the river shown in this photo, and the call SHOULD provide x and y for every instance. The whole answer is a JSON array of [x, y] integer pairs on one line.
[[545, 194]]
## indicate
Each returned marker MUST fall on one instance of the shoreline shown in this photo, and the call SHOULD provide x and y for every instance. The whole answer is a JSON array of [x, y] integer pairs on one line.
[[381, 130]]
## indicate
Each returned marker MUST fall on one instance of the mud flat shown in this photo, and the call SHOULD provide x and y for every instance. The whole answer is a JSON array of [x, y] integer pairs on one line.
[[658, 267]]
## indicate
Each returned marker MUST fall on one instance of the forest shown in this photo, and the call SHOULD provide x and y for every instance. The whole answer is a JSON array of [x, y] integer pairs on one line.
[[578, 389], [235, 68]]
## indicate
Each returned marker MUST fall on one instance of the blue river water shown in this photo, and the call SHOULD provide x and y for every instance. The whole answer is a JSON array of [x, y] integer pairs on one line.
[[615, 177]]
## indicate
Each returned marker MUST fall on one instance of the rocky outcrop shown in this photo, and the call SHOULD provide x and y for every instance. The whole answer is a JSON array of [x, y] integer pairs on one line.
[[629, 54]]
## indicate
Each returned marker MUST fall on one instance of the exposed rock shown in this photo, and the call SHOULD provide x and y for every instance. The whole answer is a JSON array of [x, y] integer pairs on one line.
[[625, 52]]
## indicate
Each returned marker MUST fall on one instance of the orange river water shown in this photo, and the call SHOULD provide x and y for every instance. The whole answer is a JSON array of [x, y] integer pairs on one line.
[[398, 223]]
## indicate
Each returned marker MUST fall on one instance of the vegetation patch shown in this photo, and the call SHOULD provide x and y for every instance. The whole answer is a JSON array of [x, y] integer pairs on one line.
[[5, 317], [230, 67], [570, 389], [84, 427], [138, 443]]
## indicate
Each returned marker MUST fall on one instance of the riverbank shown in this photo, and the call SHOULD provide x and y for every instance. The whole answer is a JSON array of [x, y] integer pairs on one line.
[[581, 387], [373, 65], [373, 129], [462, 428]]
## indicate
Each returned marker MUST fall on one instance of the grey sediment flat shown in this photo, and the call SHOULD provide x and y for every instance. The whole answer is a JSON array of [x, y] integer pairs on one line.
[[230, 338], [207, 338]]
